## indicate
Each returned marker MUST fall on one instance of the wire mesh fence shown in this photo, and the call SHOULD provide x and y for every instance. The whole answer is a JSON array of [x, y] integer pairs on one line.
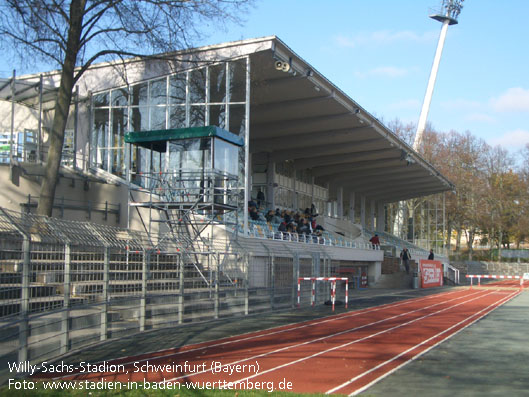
[[65, 285]]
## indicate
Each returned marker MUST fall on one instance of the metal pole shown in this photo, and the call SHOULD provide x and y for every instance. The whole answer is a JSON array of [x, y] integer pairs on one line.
[[143, 300], [104, 307], [216, 300], [181, 291], [23, 329], [75, 127], [65, 335], [247, 149], [39, 137], [12, 142]]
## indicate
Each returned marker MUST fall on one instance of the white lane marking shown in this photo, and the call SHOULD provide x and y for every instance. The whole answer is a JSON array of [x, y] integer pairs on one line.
[[363, 388], [317, 340], [232, 341]]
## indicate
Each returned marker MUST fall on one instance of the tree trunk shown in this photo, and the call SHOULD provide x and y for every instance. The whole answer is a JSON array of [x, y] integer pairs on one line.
[[62, 108]]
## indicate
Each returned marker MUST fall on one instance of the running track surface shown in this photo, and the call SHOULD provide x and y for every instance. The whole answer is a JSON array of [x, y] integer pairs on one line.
[[342, 354]]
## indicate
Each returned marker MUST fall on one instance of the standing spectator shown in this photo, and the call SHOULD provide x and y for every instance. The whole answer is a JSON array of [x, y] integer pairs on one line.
[[375, 241], [431, 256], [260, 198], [405, 256]]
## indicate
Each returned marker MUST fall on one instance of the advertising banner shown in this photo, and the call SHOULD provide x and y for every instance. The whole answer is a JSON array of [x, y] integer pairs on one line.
[[431, 273]]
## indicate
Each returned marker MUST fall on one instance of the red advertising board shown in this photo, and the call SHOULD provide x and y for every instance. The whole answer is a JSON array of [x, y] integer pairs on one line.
[[431, 273]]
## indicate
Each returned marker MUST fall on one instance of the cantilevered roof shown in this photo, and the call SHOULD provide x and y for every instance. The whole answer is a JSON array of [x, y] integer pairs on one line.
[[301, 117], [26, 92]]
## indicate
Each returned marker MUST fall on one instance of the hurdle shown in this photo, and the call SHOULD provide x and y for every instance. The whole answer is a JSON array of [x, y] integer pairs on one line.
[[333, 281], [494, 276]]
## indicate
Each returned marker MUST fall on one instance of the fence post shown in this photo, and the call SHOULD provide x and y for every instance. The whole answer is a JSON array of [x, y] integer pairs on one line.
[[246, 286], [272, 282], [104, 307], [295, 276], [24, 303], [216, 299], [143, 300], [181, 290], [65, 320]]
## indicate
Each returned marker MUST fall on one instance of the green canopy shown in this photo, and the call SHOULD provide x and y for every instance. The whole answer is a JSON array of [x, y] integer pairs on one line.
[[158, 138]]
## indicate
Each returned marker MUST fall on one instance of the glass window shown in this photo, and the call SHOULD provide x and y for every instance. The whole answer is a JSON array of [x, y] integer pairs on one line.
[[197, 116], [177, 89], [177, 116], [217, 83], [217, 115], [158, 118], [237, 119], [100, 139], [140, 118], [119, 128], [226, 156], [120, 97], [190, 154], [101, 99], [197, 86], [158, 92], [139, 95], [238, 80]]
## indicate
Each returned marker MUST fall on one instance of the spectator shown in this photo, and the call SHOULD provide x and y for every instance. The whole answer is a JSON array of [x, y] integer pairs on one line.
[[405, 256], [260, 198], [431, 256], [375, 241]]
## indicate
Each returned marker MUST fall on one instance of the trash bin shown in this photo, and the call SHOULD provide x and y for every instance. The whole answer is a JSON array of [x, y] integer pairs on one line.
[[415, 280]]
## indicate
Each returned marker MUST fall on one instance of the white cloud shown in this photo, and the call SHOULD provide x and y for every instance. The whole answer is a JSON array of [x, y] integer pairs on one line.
[[513, 100], [383, 71], [515, 139], [384, 37]]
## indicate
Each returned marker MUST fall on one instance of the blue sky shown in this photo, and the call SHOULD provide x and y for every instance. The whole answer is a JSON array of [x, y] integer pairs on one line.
[[380, 53]]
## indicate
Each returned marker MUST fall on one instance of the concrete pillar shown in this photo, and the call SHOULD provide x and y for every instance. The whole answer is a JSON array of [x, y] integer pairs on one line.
[[339, 202], [270, 180], [352, 215], [381, 218], [372, 215], [363, 211]]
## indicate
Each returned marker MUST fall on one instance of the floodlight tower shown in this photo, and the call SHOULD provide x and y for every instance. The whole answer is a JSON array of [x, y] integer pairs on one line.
[[448, 14]]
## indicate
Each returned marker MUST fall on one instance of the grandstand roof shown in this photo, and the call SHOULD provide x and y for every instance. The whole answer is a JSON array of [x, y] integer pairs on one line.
[[302, 117], [298, 115]]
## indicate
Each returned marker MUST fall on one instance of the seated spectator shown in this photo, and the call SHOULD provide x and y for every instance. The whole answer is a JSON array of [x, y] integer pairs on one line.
[[254, 215], [303, 227], [270, 216]]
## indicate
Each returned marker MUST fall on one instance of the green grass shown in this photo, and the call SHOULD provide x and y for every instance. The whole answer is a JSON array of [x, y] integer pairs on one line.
[[40, 390]]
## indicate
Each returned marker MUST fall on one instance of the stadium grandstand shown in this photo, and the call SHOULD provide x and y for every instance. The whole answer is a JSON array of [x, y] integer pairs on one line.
[[194, 185]]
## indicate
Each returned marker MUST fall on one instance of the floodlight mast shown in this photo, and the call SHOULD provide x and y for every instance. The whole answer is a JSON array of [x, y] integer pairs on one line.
[[450, 10]]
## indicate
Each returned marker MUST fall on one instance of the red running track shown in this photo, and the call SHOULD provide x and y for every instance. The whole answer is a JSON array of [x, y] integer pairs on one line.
[[343, 354]]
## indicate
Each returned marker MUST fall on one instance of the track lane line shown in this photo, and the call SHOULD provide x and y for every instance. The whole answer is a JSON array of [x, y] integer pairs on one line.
[[250, 336], [481, 313], [339, 346], [350, 330]]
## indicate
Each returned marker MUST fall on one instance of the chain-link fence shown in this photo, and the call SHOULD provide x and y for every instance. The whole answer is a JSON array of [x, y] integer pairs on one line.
[[65, 285]]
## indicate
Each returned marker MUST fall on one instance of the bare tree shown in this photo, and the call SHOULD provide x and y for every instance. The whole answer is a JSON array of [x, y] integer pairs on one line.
[[74, 34]]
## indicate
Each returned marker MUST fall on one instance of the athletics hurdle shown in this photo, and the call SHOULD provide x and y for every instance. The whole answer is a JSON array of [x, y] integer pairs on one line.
[[333, 281], [480, 276]]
